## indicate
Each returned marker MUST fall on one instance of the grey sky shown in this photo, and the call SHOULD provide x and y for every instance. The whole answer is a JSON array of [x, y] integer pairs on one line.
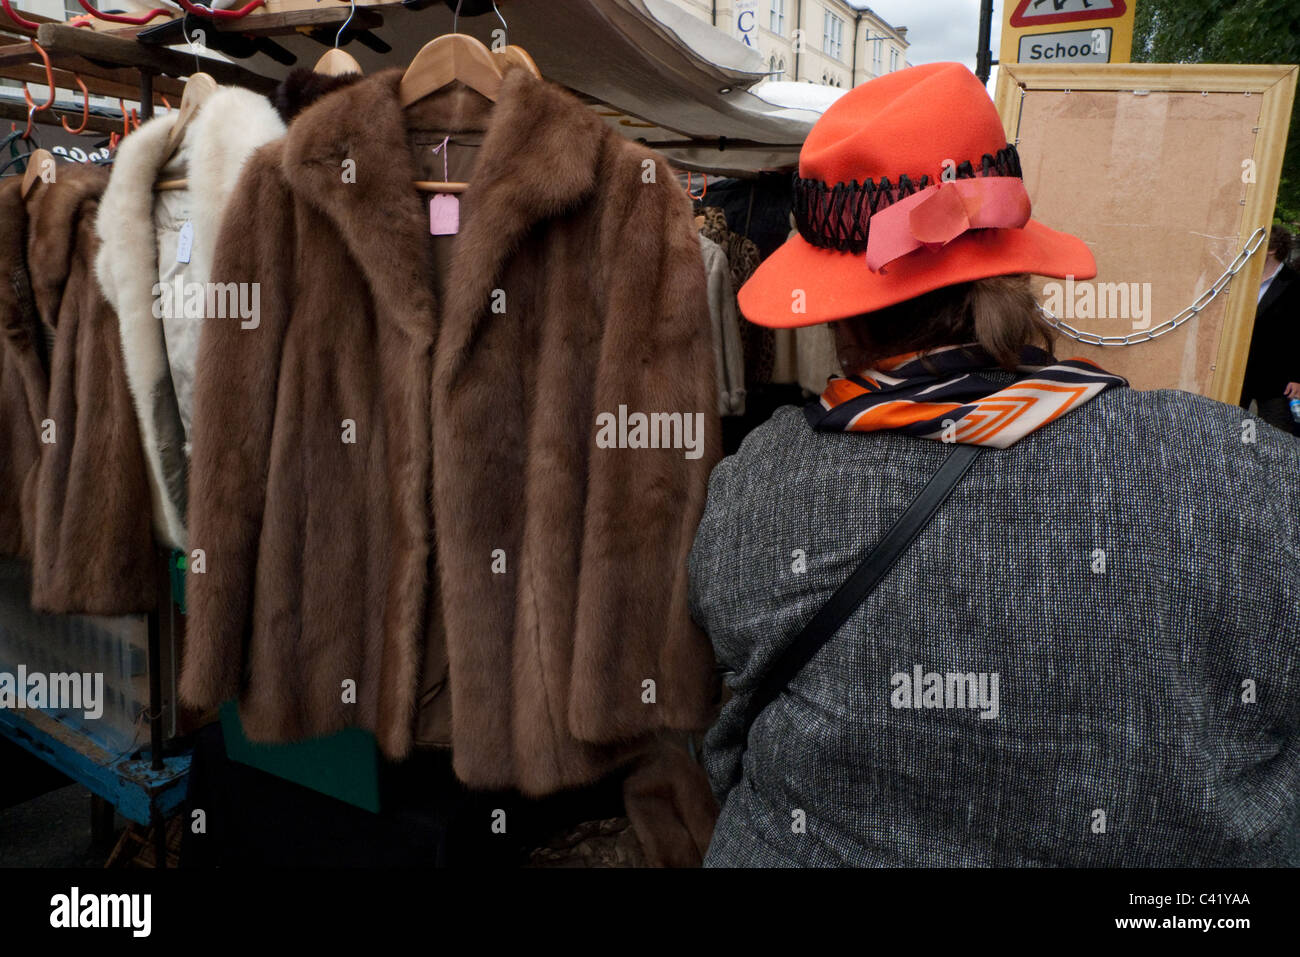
[[938, 29]]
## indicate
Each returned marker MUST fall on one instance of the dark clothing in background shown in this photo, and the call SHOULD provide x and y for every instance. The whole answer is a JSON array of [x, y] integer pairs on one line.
[[1275, 351], [757, 209], [1277, 413]]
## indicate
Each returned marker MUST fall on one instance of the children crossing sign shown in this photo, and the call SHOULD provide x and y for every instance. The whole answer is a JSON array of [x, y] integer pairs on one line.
[[1067, 31]]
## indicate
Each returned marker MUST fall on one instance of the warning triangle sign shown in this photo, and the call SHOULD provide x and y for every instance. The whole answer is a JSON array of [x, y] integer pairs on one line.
[[1034, 13]]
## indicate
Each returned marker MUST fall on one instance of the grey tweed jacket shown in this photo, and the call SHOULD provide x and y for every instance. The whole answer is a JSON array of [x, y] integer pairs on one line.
[[1091, 657]]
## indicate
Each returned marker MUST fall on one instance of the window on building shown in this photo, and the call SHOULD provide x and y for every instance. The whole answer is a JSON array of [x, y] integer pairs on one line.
[[833, 36], [776, 21], [877, 51], [893, 60], [780, 68]]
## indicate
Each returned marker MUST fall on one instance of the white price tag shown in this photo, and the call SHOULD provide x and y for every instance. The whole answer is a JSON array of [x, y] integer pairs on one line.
[[185, 242]]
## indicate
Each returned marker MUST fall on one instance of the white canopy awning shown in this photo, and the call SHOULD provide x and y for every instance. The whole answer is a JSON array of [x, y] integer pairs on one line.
[[651, 69]]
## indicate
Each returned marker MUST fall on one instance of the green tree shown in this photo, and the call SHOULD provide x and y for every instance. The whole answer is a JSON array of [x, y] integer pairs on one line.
[[1235, 31]]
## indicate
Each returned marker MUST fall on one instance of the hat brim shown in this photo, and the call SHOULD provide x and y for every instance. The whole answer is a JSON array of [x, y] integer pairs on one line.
[[803, 285]]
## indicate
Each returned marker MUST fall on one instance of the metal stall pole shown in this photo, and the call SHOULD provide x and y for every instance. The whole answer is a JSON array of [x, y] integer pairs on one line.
[[984, 53], [146, 95]]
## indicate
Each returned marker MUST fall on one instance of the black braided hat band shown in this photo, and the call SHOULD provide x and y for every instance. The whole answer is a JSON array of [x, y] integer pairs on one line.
[[838, 217]]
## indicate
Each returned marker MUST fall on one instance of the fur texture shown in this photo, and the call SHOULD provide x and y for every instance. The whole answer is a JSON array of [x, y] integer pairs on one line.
[[87, 503], [671, 807], [303, 87], [231, 124], [319, 550], [24, 379]]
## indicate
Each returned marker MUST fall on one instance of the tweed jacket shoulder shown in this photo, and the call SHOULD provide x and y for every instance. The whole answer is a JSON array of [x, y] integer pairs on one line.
[[1131, 575]]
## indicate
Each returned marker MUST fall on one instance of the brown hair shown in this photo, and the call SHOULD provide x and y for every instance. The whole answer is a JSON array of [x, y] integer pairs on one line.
[[1000, 314], [1280, 243]]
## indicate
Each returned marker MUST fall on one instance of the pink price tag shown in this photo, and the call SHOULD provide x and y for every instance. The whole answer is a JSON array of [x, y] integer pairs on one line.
[[444, 215]]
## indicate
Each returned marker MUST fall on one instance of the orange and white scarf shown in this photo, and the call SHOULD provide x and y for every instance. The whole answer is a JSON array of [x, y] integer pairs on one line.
[[940, 395]]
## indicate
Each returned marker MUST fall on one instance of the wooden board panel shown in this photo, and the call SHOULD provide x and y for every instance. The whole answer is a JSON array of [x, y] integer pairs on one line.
[[1166, 172]]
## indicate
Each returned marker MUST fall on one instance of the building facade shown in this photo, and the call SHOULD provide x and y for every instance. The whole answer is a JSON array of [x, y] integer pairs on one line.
[[831, 42]]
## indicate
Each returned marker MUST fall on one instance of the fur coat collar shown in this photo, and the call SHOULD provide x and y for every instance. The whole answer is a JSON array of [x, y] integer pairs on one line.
[[538, 159], [231, 124]]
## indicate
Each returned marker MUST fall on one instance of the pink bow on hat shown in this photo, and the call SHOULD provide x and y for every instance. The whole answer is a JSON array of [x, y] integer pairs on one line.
[[940, 213]]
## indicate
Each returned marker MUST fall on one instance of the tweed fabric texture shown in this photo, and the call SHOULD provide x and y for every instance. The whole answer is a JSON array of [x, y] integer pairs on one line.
[[1121, 737]]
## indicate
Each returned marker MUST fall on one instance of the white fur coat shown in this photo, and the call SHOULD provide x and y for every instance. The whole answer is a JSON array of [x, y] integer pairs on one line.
[[139, 231]]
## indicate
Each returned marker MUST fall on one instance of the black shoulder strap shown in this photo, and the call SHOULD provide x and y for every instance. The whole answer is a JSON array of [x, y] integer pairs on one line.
[[863, 581]]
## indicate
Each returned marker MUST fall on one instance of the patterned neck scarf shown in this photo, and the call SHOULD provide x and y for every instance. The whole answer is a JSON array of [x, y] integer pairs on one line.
[[904, 395]]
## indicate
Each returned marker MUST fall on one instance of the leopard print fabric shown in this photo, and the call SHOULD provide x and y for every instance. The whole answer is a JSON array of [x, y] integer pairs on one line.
[[758, 342]]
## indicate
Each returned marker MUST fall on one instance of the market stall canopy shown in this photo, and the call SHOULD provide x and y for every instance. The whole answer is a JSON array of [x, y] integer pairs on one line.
[[655, 62], [649, 68]]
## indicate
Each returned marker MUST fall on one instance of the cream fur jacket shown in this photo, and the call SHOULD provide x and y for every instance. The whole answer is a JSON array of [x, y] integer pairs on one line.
[[155, 257]]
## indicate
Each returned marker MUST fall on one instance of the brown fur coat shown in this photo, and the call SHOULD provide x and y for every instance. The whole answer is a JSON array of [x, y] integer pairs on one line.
[[474, 428], [70, 442], [24, 379]]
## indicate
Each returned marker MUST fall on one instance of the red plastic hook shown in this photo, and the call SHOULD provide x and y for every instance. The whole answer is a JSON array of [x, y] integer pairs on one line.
[[119, 18], [29, 24], [32, 108], [31, 112], [198, 11], [85, 109], [704, 192]]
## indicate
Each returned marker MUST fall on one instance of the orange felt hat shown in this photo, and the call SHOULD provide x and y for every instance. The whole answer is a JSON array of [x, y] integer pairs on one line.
[[906, 184]]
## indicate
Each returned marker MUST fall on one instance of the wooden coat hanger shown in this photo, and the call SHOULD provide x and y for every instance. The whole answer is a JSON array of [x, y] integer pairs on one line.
[[198, 88], [458, 57], [517, 56], [440, 62], [36, 161], [444, 59], [513, 54], [335, 62]]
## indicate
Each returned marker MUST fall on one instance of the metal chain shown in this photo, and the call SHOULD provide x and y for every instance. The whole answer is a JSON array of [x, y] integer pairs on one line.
[[1169, 325]]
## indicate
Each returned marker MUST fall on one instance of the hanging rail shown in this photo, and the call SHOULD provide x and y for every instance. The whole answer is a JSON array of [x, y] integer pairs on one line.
[[61, 40]]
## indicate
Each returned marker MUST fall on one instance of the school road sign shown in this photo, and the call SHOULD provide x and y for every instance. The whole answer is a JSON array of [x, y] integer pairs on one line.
[[1067, 31]]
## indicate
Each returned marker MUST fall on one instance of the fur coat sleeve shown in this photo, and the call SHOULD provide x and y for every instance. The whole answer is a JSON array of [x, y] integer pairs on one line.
[[578, 646], [643, 505], [234, 410]]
